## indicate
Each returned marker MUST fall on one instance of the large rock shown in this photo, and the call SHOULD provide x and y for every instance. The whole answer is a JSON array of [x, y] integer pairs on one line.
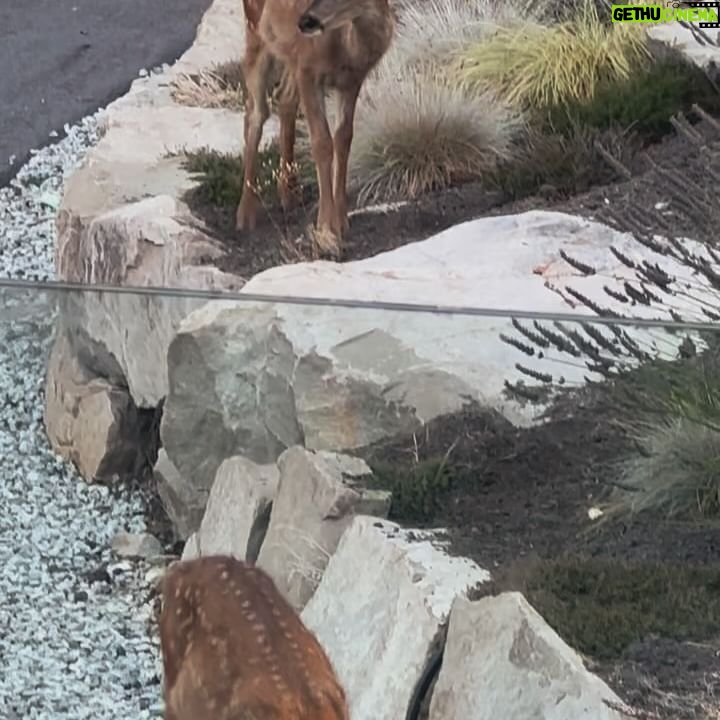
[[705, 55], [90, 421], [183, 501], [149, 243], [379, 612], [502, 660], [254, 378], [237, 514], [318, 494]]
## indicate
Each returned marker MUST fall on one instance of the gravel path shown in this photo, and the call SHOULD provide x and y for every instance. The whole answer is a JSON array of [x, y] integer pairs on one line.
[[74, 636]]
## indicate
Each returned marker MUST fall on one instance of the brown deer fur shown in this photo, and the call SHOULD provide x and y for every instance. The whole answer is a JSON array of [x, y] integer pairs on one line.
[[234, 649], [312, 46]]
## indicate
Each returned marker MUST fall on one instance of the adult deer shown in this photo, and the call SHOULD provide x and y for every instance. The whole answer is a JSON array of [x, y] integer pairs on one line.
[[234, 649], [312, 46]]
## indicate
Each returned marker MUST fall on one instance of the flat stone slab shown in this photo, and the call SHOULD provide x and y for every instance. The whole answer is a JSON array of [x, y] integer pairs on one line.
[[502, 660]]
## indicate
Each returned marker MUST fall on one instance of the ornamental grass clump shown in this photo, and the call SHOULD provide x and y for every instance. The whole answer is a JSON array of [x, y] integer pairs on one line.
[[430, 136], [534, 66]]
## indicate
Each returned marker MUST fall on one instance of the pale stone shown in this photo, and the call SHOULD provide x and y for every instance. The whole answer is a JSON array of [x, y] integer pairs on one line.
[[145, 244], [238, 509], [502, 660], [154, 577], [339, 379], [317, 496], [183, 502], [89, 421], [136, 545], [379, 612], [192, 548]]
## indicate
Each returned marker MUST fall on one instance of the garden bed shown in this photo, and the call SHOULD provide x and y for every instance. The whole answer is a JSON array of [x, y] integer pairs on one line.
[[280, 239], [563, 170], [638, 597]]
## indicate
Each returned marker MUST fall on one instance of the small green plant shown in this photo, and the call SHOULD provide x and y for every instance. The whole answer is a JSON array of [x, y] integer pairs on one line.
[[417, 489], [536, 66], [430, 136], [220, 175], [602, 606]]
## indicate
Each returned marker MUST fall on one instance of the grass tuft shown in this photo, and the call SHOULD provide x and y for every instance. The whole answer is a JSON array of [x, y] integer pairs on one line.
[[533, 65], [672, 411], [429, 32], [429, 137], [562, 165], [221, 87]]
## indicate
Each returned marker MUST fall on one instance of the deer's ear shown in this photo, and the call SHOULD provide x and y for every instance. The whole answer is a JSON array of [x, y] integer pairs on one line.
[[253, 10]]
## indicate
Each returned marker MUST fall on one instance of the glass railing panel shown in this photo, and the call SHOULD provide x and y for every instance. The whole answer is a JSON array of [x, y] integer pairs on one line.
[[574, 459]]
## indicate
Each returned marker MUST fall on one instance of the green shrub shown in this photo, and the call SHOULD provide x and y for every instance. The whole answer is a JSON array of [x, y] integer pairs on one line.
[[417, 489], [602, 606], [644, 102], [561, 164], [220, 175]]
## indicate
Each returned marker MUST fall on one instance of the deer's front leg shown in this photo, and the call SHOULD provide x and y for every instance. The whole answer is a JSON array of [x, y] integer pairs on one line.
[[342, 143], [257, 66], [288, 102], [313, 104]]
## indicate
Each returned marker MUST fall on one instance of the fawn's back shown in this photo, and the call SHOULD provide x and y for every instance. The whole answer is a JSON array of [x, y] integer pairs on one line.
[[234, 649]]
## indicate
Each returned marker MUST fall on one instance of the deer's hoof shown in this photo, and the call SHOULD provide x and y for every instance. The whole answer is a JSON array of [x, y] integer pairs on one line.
[[327, 239], [246, 215]]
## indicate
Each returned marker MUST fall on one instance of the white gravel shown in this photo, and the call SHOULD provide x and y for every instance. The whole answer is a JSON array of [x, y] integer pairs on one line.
[[70, 647]]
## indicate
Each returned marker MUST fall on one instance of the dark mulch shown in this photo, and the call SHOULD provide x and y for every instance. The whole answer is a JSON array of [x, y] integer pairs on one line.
[[280, 239], [520, 497]]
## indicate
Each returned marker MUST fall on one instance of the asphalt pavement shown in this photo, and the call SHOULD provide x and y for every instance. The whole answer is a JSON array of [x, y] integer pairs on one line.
[[61, 60]]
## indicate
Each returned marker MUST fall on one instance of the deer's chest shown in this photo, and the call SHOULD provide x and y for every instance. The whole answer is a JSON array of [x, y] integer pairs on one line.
[[345, 64]]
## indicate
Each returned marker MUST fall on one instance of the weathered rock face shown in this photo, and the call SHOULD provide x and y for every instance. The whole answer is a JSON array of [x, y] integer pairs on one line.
[[90, 421], [183, 501], [684, 39], [255, 378], [238, 510], [502, 660], [379, 612], [192, 548], [318, 494], [144, 244]]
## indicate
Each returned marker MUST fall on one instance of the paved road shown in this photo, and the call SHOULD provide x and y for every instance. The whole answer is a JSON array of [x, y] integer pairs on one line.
[[61, 60]]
